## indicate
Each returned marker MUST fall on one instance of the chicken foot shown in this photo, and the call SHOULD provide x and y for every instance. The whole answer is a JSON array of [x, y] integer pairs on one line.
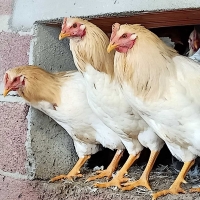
[[144, 179], [75, 172], [119, 178], [175, 187], [110, 169], [194, 190]]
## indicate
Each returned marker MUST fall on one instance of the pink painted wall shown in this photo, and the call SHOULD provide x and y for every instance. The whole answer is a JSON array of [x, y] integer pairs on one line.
[[13, 137], [14, 50]]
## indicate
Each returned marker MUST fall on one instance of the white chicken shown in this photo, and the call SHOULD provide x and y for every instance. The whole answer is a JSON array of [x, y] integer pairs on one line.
[[88, 45], [164, 87], [62, 96]]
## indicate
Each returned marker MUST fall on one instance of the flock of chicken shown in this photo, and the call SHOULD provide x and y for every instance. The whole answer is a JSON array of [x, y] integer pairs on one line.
[[143, 94]]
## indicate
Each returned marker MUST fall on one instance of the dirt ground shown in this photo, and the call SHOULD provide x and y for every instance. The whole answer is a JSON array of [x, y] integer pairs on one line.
[[161, 178]]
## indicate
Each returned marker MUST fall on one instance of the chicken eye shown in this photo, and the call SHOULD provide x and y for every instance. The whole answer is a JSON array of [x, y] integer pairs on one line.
[[74, 25], [15, 79], [124, 35]]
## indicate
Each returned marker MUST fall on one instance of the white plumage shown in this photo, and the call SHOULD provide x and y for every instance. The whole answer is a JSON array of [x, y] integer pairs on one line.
[[107, 100], [77, 118], [175, 116], [88, 47]]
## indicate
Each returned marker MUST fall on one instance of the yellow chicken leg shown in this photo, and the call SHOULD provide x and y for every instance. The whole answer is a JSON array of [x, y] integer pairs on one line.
[[75, 172], [110, 169], [144, 179], [176, 186], [195, 190], [119, 178]]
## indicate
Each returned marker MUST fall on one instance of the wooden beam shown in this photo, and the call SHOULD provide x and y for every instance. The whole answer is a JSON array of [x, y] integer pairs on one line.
[[153, 19], [148, 19]]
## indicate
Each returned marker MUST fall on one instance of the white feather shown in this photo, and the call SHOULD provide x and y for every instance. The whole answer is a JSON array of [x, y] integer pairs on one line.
[[133, 36], [175, 116], [108, 102], [77, 118]]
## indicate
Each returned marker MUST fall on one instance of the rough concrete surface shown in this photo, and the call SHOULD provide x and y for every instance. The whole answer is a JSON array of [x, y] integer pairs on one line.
[[13, 51], [13, 131], [51, 145], [49, 52]]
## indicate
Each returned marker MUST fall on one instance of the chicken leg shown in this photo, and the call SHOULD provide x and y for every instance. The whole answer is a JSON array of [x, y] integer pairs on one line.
[[144, 179], [119, 178], [110, 169], [75, 172], [175, 187], [194, 190]]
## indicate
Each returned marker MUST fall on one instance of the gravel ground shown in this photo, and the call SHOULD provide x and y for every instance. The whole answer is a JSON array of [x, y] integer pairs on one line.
[[161, 178]]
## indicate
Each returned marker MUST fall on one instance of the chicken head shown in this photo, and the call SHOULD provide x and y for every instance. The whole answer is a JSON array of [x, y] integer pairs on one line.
[[121, 41], [72, 28], [12, 82]]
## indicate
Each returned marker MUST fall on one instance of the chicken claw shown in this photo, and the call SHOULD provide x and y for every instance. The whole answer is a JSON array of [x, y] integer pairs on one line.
[[101, 174], [144, 179], [194, 190], [111, 168], [75, 172], [116, 181], [68, 176], [141, 182], [175, 187], [172, 190], [119, 178]]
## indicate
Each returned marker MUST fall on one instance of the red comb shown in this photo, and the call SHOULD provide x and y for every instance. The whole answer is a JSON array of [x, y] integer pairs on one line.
[[115, 28], [5, 78], [64, 20]]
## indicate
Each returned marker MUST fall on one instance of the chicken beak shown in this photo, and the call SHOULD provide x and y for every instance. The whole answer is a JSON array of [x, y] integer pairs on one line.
[[63, 35], [5, 92], [111, 47]]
